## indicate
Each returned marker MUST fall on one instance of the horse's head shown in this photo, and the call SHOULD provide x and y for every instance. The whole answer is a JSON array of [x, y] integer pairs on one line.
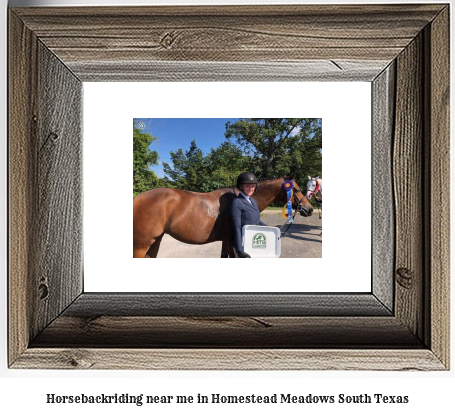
[[300, 201], [310, 187]]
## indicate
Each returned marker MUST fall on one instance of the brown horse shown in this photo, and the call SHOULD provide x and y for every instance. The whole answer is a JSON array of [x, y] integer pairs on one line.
[[199, 218]]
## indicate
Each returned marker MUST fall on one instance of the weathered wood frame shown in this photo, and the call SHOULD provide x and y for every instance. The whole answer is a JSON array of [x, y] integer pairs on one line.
[[403, 50]]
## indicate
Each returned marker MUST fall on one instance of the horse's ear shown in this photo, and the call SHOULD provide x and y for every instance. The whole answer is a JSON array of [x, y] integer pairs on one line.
[[289, 177]]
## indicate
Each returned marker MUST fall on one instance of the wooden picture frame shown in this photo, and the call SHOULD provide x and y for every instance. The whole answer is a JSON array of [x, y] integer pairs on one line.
[[403, 324]]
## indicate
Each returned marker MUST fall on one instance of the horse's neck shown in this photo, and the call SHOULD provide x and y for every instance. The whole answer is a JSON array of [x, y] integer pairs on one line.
[[268, 192]]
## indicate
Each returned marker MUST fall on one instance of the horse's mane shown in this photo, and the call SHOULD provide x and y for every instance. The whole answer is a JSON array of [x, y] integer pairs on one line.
[[259, 181], [272, 178]]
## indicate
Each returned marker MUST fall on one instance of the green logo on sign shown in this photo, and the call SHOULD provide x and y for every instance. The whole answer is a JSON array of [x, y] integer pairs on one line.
[[259, 241]]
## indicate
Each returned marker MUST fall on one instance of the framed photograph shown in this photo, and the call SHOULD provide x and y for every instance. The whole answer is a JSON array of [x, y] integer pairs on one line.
[[200, 129], [400, 323]]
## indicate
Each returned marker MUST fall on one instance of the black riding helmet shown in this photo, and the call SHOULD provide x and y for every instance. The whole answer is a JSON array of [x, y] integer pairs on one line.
[[247, 177]]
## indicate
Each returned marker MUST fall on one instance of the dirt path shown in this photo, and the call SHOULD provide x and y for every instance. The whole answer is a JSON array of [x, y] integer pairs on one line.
[[302, 240]]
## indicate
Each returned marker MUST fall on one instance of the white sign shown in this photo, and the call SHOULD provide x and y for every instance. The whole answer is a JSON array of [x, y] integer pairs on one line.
[[261, 241]]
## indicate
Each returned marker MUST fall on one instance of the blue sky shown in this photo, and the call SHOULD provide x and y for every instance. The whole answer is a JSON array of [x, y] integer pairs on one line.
[[175, 133]]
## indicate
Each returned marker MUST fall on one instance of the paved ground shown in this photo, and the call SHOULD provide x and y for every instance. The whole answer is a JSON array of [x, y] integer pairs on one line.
[[302, 240]]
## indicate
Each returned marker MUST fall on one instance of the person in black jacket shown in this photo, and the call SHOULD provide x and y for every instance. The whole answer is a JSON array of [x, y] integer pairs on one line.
[[244, 210]]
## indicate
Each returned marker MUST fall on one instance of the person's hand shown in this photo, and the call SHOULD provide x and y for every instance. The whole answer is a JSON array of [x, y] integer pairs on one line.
[[243, 254]]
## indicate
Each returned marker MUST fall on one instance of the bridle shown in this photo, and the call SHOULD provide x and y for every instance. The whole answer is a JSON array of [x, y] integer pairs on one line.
[[298, 201]]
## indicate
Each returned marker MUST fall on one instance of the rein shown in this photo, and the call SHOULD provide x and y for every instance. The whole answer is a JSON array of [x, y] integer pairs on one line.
[[284, 224], [299, 203]]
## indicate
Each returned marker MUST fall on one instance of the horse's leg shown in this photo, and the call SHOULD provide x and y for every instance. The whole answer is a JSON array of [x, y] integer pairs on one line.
[[140, 252], [153, 250], [225, 250], [150, 251], [230, 249]]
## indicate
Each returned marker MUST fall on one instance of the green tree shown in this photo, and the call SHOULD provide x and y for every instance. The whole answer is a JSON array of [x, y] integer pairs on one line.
[[303, 153], [189, 168], [224, 164], [143, 158], [263, 137], [267, 147], [279, 146], [192, 170]]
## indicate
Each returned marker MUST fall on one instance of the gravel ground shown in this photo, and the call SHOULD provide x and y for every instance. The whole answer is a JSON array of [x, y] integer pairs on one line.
[[302, 240]]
